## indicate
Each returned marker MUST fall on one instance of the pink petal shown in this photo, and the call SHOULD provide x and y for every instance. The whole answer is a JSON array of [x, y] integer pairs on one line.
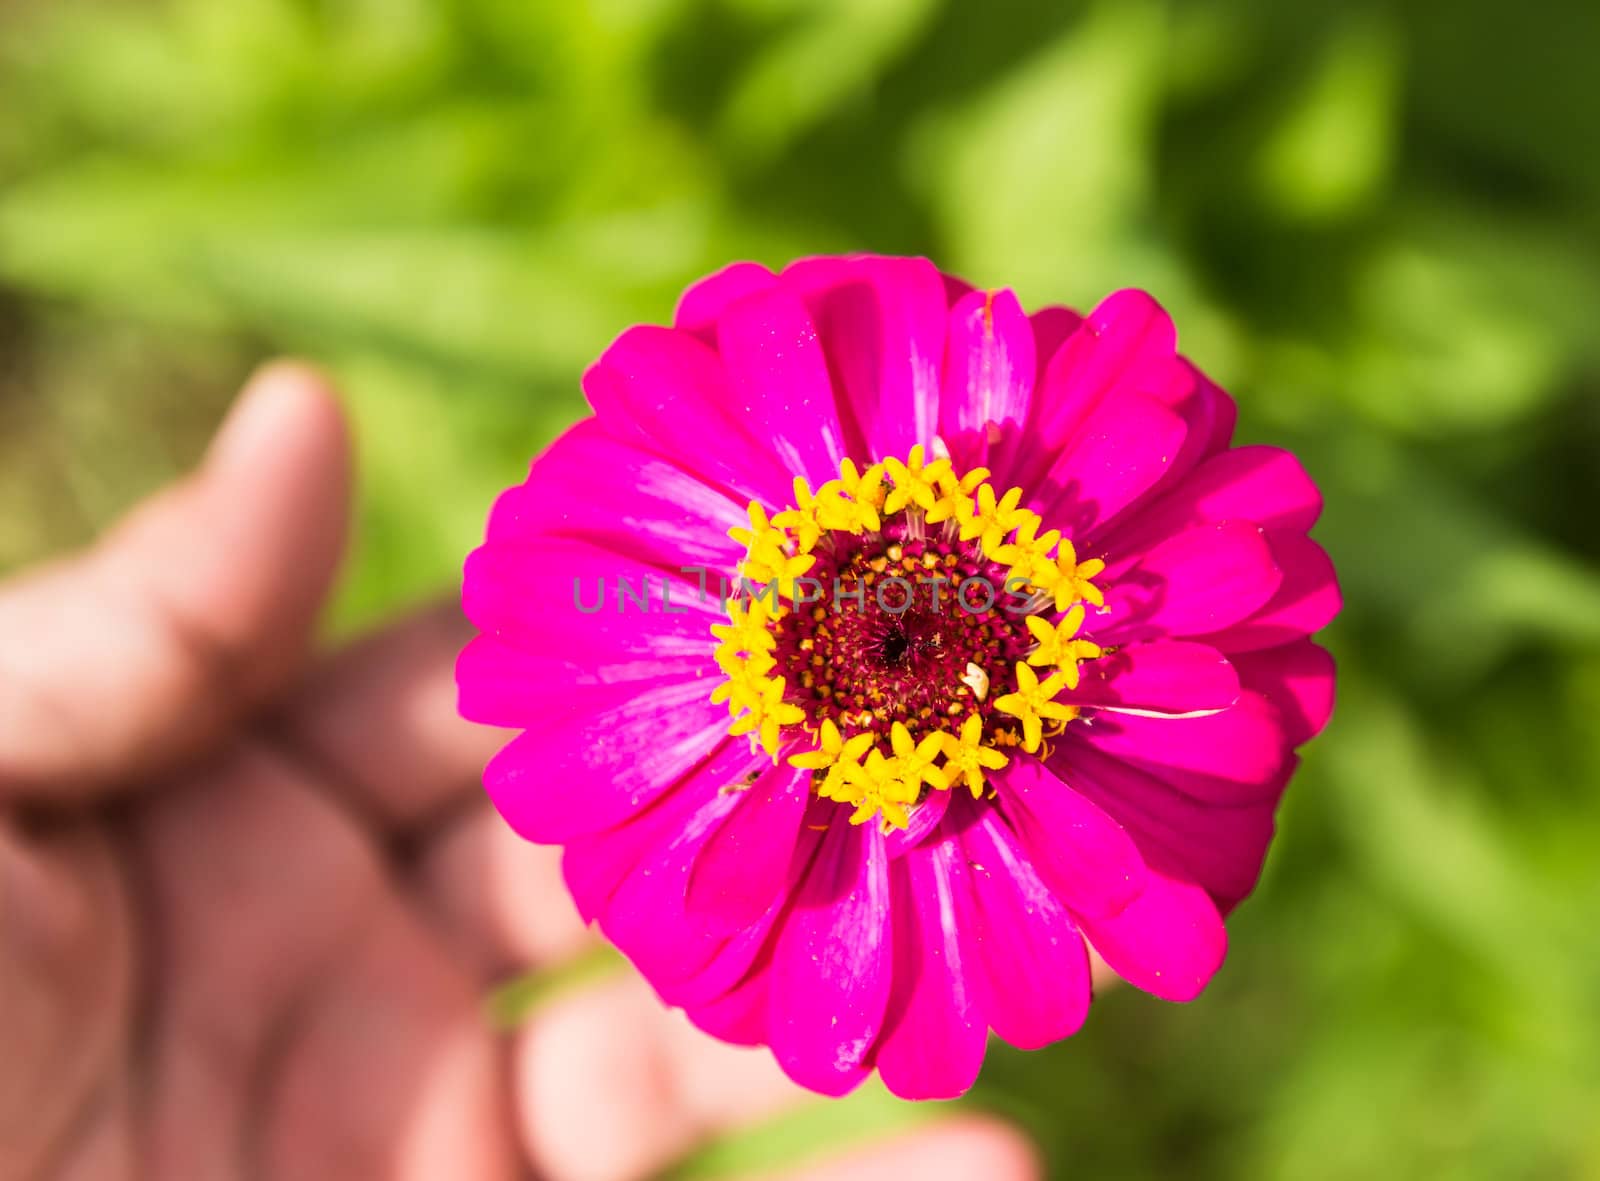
[[667, 392], [1163, 677], [1220, 847], [499, 685], [1261, 484], [703, 304], [1239, 756], [1307, 600], [595, 867], [1193, 584], [646, 918], [1298, 678], [568, 600], [747, 952], [1033, 961], [955, 288], [989, 373], [882, 325], [740, 1016], [935, 1030], [598, 767], [1124, 448], [1208, 412], [618, 497], [745, 863], [1051, 328], [1084, 855], [1169, 942], [831, 963], [778, 377], [1127, 343]]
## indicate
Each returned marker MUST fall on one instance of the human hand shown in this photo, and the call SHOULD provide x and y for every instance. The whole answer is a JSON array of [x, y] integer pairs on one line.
[[250, 900]]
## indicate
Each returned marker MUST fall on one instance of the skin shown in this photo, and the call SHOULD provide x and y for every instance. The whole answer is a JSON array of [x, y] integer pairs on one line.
[[251, 896]]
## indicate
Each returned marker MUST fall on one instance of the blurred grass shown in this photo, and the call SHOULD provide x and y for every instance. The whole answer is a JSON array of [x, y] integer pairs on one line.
[[1378, 224]]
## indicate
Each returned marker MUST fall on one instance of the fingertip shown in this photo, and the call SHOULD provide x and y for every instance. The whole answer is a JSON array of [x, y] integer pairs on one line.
[[285, 403]]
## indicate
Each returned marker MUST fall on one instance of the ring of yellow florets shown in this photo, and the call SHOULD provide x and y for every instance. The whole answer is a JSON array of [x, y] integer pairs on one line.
[[887, 696]]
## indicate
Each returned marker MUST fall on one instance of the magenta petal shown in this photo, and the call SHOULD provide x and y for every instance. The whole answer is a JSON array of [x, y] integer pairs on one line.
[[566, 604], [935, 1030], [778, 377], [740, 1017], [1085, 856], [882, 326], [1306, 601], [1239, 756], [1162, 677], [595, 867], [1298, 678], [831, 964], [1193, 584], [1122, 451], [1127, 343], [745, 864], [750, 950], [647, 918], [989, 374], [1261, 484], [597, 768], [645, 506], [668, 392], [512, 687], [1033, 960], [1169, 942], [1207, 411], [703, 304], [1052, 326], [1220, 847]]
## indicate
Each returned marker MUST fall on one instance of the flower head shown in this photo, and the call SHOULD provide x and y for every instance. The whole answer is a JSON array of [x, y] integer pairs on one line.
[[1004, 647]]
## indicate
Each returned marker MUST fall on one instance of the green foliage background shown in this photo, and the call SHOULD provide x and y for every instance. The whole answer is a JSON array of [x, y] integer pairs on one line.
[[1378, 224]]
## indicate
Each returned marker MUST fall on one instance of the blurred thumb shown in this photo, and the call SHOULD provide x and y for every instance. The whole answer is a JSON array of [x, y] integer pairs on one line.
[[196, 608]]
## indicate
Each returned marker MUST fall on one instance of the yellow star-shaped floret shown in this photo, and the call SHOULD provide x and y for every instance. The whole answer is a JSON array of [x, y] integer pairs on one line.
[[967, 756], [834, 755], [852, 502], [1074, 582], [1032, 703], [1025, 548], [746, 632], [803, 521], [760, 528], [774, 565], [993, 519], [881, 786], [768, 716], [917, 758], [914, 481], [1058, 645], [747, 680], [956, 501]]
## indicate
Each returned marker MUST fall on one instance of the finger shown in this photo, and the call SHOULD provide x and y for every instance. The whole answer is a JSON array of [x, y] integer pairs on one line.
[[380, 717], [499, 901], [303, 1020], [137, 653], [612, 1086], [951, 1150], [66, 983]]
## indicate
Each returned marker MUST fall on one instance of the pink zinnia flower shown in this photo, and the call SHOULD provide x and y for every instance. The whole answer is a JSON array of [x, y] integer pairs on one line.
[[1014, 662]]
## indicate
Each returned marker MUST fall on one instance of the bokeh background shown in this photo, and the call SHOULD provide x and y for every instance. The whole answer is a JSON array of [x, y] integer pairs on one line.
[[1377, 224]]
